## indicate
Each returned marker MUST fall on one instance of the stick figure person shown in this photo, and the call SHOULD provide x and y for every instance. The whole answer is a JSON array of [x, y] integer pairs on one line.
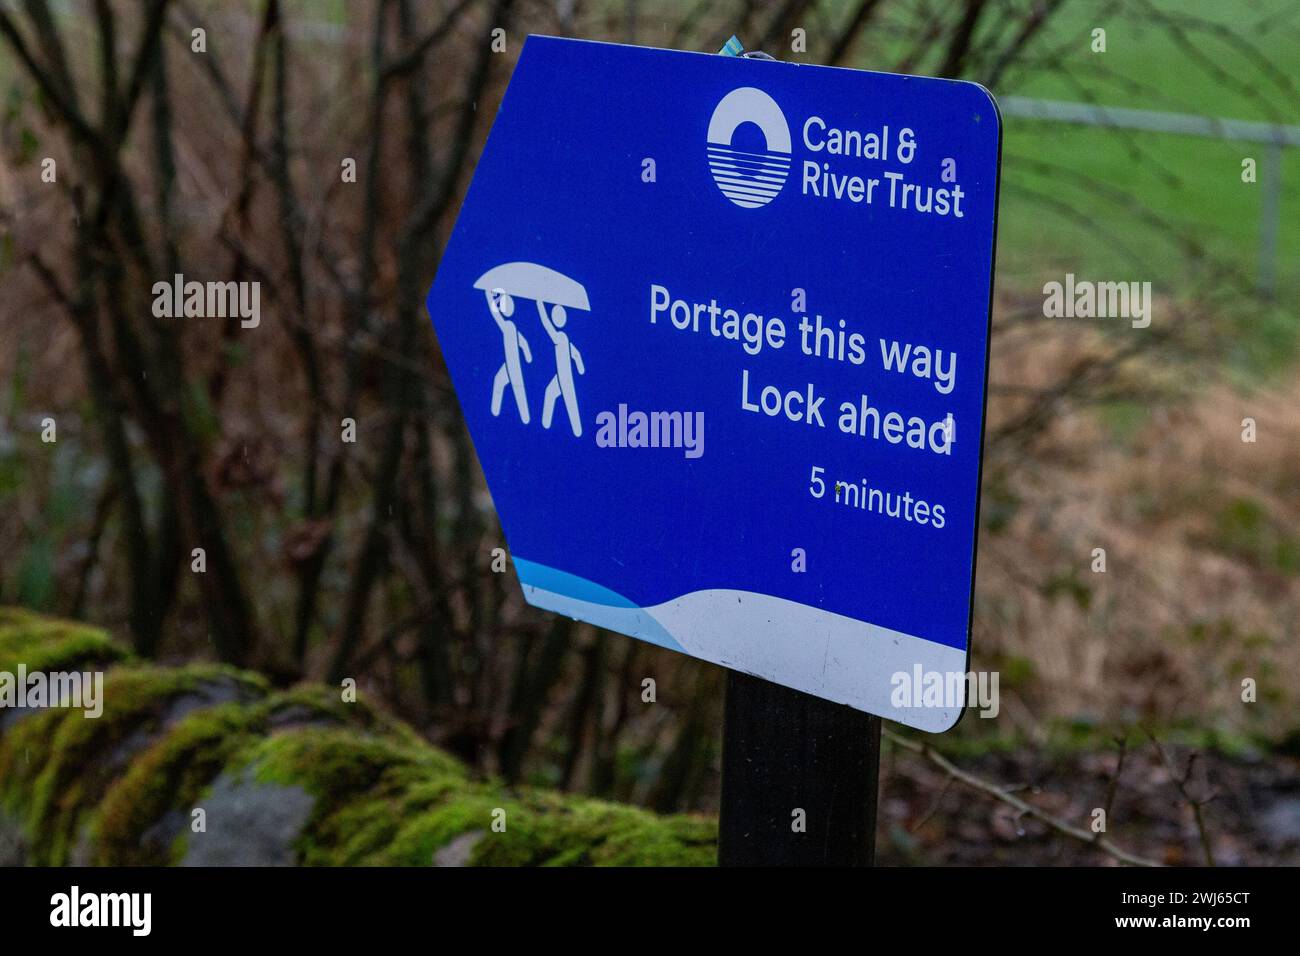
[[502, 307], [566, 356]]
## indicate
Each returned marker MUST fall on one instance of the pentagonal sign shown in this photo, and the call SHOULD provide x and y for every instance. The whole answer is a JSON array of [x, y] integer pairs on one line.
[[719, 328]]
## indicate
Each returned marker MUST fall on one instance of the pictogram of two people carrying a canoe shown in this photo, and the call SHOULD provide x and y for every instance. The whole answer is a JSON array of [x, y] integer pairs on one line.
[[554, 294]]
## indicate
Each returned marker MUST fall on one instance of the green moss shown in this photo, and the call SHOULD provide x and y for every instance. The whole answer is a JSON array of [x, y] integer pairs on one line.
[[433, 815], [24, 750], [332, 763], [548, 829], [357, 782], [78, 765], [382, 794], [170, 775], [174, 772], [315, 703], [47, 644], [380, 802]]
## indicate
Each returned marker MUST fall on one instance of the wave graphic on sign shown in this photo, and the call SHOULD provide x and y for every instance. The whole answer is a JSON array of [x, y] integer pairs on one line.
[[749, 179], [575, 597], [808, 648]]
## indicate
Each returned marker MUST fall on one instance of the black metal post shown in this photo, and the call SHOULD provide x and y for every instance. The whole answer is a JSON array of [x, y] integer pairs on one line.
[[784, 751]]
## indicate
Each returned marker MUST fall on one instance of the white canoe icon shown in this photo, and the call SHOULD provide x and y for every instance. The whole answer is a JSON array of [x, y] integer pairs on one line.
[[528, 280]]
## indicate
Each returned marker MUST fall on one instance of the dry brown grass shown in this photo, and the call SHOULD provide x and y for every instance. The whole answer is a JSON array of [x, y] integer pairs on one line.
[[1200, 531]]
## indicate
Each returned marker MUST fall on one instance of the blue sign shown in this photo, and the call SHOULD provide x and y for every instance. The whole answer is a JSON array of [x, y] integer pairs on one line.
[[719, 327]]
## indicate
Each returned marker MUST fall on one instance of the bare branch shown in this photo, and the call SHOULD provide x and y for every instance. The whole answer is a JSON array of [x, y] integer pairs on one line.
[[1002, 794]]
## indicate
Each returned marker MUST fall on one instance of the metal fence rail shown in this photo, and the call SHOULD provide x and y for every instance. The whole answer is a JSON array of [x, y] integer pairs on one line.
[[1276, 136]]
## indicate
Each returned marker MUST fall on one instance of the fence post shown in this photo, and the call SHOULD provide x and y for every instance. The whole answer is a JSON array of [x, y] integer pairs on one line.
[[1268, 221]]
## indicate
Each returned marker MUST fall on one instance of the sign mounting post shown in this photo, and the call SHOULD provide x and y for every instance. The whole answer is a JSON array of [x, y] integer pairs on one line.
[[800, 779]]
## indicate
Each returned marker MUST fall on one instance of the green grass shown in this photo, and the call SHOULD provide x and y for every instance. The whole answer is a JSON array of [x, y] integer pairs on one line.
[[1192, 184], [1172, 210]]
